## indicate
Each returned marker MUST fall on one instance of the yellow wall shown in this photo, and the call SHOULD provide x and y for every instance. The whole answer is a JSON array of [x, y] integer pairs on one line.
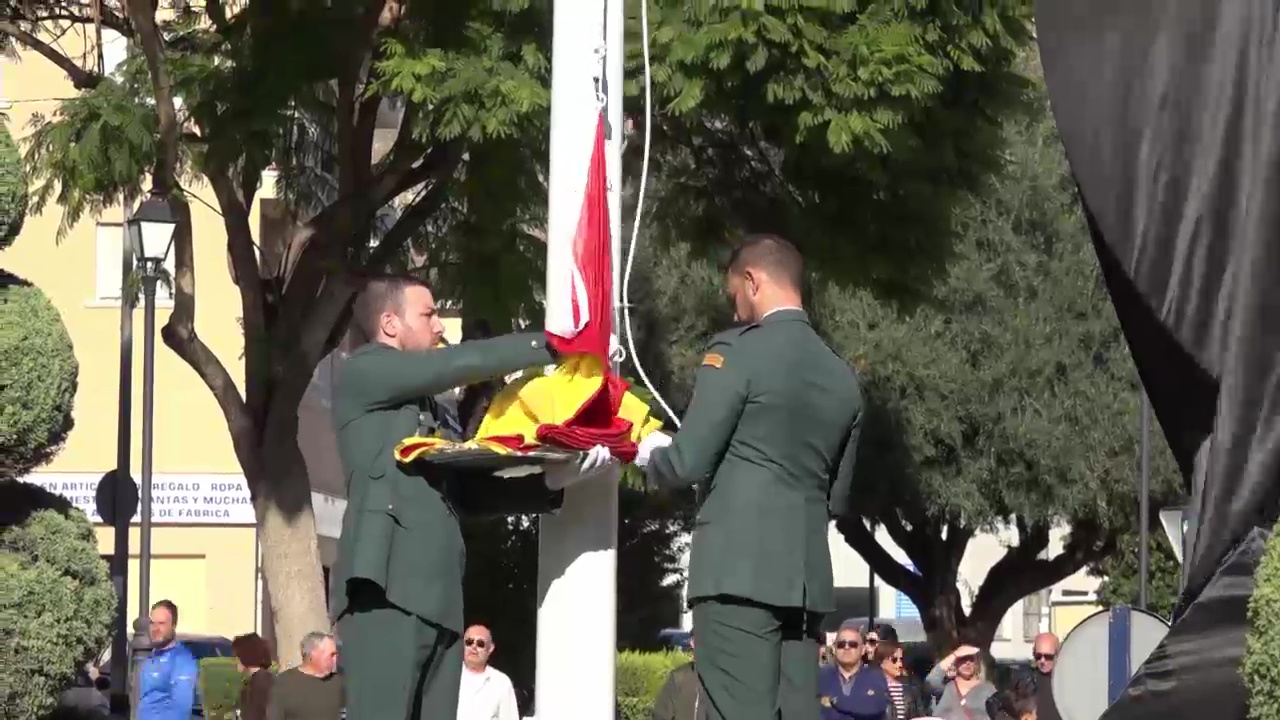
[[190, 434], [1065, 618], [209, 572]]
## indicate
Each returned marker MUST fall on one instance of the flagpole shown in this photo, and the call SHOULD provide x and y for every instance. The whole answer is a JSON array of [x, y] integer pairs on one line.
[[577, 545]]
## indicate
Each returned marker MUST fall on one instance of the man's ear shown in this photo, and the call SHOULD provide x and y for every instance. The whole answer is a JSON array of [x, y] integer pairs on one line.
[[389, 324]]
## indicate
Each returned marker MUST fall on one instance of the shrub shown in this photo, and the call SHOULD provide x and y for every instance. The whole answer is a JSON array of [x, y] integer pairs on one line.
[[1261, 666], [640, 676], [37, 378], [13, 188], [220, 684], [58, 603]]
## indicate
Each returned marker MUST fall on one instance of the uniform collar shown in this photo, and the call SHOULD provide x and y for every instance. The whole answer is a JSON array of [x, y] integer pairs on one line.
[[783, 314]]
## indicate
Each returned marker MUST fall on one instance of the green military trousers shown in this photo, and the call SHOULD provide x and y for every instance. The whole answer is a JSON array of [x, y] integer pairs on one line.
[[397, 665], [756, 661]]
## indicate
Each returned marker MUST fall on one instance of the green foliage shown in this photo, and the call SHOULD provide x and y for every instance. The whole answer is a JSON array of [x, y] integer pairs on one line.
[[220, 685], [58, 603], [99, 146], [1261, 666], [639, 678], [1119, 573], [1007, 399], [38, 373], [852, 132], [13, 188], [1010, 397]]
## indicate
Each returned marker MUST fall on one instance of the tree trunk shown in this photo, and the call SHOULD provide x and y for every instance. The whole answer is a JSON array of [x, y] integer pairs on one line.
[[290, 554]]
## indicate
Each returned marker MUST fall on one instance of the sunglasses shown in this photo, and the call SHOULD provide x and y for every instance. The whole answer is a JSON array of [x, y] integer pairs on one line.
[[966, 659], [846, 644], [1044, 656], [478, 643], [895, 660]]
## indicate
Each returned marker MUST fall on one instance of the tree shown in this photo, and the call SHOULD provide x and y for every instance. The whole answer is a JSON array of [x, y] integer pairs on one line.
[[1261, 667], [58, 604], [13, 188], [38, 372], [1119, 573], [461, 89], [1006, 401], [1010, 401]]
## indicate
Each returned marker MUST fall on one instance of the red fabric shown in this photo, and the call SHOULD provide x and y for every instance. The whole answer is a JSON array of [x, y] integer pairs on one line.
[[592, 253], [596, 423]]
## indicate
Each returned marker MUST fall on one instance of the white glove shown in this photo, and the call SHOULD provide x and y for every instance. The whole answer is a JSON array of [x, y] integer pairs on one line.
[[597, 457], [648, 444]]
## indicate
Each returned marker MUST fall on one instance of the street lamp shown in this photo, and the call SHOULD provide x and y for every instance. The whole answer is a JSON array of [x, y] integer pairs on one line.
[[151, 231]]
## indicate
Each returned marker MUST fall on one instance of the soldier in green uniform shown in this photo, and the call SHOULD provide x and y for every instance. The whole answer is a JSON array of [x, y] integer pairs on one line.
[[771, 433], [397, 585]]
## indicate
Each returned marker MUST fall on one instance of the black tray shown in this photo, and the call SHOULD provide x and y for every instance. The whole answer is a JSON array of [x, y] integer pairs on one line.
[[496, 463]]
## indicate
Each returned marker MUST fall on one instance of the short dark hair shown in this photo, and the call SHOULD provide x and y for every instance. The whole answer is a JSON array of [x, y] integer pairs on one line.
[[884, 632], [772, 254], [252, 650], [886, 649], [168, 605], [381, 293]]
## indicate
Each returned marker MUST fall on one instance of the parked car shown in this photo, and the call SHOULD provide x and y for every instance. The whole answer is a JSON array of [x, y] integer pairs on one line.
[[675, 639]]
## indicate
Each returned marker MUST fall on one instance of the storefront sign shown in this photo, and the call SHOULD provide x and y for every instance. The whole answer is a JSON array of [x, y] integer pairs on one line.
[[176, 499]]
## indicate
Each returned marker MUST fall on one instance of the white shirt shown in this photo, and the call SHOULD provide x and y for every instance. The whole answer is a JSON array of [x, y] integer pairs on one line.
[[780, 309], [487, 695]]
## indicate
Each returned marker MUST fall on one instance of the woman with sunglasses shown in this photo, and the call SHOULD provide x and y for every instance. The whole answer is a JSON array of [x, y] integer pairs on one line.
[[957, 683], [906, 699]]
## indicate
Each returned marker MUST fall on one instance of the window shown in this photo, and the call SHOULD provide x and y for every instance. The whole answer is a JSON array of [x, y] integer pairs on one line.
[[1032, 610], [110, 268], [115, 47]]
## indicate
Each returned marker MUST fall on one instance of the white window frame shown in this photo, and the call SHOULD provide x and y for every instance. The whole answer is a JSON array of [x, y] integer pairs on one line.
[[108, 283]]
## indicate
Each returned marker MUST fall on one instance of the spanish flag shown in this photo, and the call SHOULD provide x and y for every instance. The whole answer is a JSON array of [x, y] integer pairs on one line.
[[581, 403]]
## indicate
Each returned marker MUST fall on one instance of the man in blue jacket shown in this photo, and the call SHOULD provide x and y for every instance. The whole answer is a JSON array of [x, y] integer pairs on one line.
[[167, 679], [849, 689]]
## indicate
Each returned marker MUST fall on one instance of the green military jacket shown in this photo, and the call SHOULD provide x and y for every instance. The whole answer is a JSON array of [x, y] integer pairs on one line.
[[399, 531], [772, 432]]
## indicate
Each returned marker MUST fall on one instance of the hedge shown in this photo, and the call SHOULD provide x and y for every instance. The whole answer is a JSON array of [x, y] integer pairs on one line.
[[58, 604], [640, 676], [220, 684], [1261, 666], [38, 373], [13, 188]]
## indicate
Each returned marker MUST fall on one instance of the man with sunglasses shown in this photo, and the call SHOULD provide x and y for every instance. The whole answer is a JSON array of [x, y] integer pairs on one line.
[[849, 688], [1045, 655], [486, 693]]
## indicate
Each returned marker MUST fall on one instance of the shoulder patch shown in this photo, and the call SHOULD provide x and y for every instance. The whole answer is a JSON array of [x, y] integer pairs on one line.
[[715, 360]]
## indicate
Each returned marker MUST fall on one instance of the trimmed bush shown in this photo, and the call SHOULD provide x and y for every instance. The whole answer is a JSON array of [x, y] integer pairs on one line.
[[220, 685], [13, 188], [640, 676], [58, 602], [1261, 666], [37, 378]]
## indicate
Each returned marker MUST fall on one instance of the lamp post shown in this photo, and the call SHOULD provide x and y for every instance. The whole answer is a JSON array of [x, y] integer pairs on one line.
[[151, 234]]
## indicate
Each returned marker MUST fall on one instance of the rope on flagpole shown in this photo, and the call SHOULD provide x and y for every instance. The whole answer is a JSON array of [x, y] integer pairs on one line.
[[635, 222]]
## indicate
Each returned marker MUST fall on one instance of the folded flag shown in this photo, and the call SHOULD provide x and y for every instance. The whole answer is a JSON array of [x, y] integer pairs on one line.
[[577, 405]]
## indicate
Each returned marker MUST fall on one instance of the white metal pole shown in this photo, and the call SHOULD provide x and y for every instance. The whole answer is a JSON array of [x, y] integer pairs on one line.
[[577, 546]]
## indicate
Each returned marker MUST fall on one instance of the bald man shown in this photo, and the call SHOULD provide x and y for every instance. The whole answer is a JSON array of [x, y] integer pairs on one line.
[[770, 434], [1045, 654]]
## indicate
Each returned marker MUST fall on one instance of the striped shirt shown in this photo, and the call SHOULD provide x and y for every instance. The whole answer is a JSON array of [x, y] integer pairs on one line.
[[898, 698]]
